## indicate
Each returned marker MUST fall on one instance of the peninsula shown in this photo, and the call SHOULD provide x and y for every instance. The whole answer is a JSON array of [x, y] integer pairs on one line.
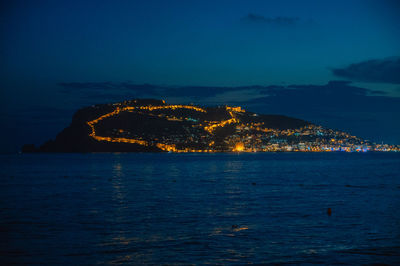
[[148, 125]]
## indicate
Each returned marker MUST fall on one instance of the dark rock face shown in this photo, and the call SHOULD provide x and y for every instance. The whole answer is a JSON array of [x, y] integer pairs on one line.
[[180, 127], [75, 138]]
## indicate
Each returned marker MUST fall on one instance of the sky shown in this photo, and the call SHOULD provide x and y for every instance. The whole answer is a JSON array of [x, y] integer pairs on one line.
[[335, 63]]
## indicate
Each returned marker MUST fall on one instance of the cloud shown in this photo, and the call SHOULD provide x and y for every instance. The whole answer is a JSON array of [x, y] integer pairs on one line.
[[109, 88], [111, 91], [278, 21], [114, 90], [385, 70], [86, 85], [332, 96]]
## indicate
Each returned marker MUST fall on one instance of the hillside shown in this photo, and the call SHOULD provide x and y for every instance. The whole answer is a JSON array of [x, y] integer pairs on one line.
[[147, 125]]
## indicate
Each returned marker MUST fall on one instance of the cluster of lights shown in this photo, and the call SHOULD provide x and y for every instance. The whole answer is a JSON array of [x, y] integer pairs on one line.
[[172, 107], [215, 125], [237, 109]]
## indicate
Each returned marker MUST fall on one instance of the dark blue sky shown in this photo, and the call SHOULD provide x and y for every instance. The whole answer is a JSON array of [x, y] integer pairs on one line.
[[57, 56]]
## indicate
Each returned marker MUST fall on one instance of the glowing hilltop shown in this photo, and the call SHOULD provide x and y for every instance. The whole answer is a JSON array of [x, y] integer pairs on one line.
[[146, 125]]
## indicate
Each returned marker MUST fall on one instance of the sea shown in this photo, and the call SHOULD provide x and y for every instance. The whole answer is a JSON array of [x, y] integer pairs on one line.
[[196, 209]]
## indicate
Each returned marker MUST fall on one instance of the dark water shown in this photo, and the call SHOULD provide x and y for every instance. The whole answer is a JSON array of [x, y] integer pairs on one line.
[[200, 208]]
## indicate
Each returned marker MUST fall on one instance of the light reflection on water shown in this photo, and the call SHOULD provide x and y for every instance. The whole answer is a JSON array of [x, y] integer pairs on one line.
[[182, 209]]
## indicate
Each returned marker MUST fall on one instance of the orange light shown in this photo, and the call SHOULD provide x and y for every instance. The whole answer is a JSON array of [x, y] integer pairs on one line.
[[239, 147]]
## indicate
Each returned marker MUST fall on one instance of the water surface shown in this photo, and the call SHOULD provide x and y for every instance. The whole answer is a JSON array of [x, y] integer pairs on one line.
[[79, 209]]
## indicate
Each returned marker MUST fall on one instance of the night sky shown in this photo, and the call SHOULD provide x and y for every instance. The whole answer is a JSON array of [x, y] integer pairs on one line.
[[334, 63]]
